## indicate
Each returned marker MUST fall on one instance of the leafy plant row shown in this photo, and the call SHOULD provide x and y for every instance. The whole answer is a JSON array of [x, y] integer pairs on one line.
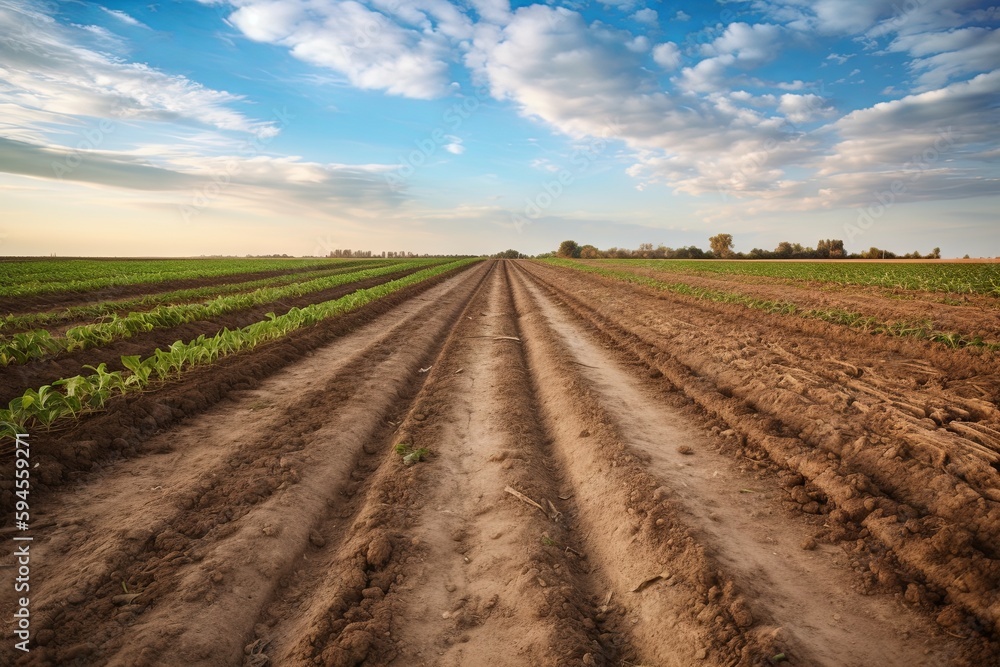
[[23, 347], [70, 397], [973, 278], [923, 330], [103, 308], [21, 278]]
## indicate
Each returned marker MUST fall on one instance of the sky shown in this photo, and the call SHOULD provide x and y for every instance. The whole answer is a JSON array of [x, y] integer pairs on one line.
[[184, 127]]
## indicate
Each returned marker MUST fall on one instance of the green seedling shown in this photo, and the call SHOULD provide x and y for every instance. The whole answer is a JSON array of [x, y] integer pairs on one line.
[[411, 456]]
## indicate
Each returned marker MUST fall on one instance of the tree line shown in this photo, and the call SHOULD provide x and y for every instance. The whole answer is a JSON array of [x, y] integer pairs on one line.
[[721, 247]]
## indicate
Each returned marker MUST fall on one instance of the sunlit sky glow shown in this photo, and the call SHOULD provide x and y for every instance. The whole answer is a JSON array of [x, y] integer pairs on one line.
[[300, 126]]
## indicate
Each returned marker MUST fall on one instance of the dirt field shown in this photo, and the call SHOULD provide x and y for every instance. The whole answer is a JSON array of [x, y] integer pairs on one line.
[[613, 476]]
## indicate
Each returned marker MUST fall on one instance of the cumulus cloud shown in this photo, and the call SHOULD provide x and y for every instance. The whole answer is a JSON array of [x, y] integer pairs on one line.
[[583, 80], [646, 16], [402, 48], [740, 47], [892, 133], [944, 56], [804, 108], [667, 55], [751, 44]]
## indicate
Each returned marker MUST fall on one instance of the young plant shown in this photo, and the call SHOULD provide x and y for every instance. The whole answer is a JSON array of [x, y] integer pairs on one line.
[[410, 455]]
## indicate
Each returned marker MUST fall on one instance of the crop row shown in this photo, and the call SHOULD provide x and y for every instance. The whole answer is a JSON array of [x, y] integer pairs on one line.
[[971, 278], [23, 278], [103, 308], [859, 321], [23, 347], [69, 398]]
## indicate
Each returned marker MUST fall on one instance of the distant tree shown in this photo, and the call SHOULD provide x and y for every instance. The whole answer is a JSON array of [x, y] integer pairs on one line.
[[589, 252], [510, 254], [935, 254], [568, 249], [784, 250], [877, 253], [722, 245]]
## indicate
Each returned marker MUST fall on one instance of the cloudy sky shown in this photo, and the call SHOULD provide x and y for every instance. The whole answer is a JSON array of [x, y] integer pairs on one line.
[[178, 127]]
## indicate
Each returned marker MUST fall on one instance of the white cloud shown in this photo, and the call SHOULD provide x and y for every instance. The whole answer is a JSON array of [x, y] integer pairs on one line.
[[804, 108], [945, 56], [646, 16], [454, 145], [198, 182], [638, 44], [46, 70], [839, 58], [667, 55], [584, 81], [740, 47], [401, 48], [125, 18], [493, 11], [752, 44], [681, 15]]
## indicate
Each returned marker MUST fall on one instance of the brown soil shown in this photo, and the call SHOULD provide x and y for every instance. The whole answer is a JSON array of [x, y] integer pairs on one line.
[[258, 512], [52, 300], [16, 377]]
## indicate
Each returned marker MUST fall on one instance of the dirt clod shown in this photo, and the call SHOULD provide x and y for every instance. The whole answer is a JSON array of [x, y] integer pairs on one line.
[[379, 551]]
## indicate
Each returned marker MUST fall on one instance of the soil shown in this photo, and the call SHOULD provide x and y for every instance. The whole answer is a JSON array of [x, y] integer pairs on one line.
[[612, 476]]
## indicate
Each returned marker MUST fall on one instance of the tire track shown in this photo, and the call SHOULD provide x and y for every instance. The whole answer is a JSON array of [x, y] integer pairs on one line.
[[439, 566], [681, 607], [502, 583]]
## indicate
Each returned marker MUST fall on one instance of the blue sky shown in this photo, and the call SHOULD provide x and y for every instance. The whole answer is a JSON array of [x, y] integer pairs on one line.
[[299, 126]]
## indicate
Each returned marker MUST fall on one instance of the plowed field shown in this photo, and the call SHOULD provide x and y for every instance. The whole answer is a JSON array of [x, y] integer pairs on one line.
[[522, 464]]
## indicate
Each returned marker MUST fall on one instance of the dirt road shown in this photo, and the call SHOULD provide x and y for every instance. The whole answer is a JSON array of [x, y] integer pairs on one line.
[[584, 499]]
